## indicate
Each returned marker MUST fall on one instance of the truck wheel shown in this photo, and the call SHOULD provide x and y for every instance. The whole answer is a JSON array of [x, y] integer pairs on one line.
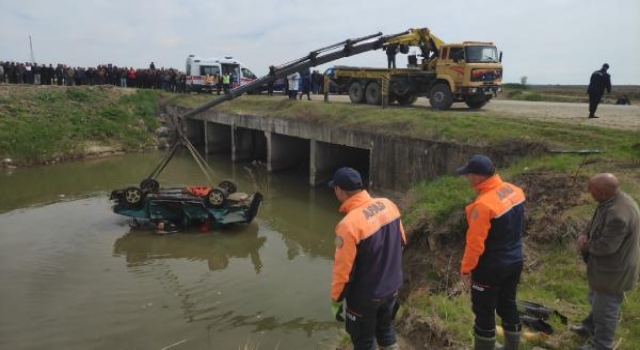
[[373, 95], [216, 197], [356, 92], [441, 97], [407, 100], [476, 102]]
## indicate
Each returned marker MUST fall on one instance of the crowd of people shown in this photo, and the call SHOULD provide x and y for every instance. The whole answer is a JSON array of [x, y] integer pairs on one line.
[[168, 79]]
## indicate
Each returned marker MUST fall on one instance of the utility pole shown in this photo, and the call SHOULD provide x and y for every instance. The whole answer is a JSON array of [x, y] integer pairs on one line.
[[32, 57]]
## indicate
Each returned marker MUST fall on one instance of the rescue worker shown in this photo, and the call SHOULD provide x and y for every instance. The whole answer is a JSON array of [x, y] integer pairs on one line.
[[600, 80], [492, 260], [226, 82], [367, 271], [610, 246], [208, 83]]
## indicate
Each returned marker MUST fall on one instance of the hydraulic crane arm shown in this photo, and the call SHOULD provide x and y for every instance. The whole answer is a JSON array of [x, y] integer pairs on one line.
[[350, 47]]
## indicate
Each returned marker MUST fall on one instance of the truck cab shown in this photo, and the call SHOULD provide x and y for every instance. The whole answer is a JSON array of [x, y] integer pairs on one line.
[[472, 70], [205, 74]]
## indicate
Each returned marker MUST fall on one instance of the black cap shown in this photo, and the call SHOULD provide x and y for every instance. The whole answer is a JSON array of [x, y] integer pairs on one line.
[[477, 164], [348, 179], [605, 66]]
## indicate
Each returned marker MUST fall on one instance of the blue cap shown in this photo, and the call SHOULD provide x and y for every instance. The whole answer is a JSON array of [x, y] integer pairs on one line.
[[477, 164], [348, 179]]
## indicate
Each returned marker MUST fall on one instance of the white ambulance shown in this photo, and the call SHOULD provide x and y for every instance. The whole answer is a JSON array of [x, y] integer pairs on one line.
[[199, 67]]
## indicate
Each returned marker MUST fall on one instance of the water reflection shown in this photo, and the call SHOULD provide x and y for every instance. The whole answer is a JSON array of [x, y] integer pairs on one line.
[[140, 247]]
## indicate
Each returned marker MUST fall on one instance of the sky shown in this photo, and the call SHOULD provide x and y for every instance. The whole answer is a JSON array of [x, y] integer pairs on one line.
[[546, 41]]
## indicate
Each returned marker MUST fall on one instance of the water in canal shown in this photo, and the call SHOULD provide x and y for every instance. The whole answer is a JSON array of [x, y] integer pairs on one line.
[[74, 275]]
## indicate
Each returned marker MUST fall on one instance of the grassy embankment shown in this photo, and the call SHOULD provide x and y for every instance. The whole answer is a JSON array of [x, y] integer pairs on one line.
[[566, 93], [44, 124], [558, 205], [558, 208]]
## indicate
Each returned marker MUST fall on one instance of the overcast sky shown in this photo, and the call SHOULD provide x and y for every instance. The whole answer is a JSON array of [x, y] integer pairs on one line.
[[548, 41]]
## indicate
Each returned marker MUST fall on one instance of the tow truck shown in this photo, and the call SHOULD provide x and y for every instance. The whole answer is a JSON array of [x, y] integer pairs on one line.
[[438, 76], [469, 72]]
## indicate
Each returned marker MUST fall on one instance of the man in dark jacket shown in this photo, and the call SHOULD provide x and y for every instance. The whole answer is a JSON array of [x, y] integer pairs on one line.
[[611, 247], [600, 80]]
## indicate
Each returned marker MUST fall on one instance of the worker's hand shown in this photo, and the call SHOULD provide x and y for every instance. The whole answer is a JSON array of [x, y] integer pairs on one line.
[[465, 278], [336, 310], [581, 244]]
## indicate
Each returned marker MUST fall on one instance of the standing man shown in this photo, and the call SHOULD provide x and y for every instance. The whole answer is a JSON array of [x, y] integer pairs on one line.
[[367, 270], [600, 80], [611, 247], [226, 82], [392, 50], [492, 260], [294, 83]]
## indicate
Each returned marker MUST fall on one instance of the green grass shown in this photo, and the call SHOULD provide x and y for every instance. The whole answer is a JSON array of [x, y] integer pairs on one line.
[[466, 127], [39, 124]]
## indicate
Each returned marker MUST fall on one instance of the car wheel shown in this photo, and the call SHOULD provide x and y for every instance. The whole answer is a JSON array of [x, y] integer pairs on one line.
[[216, 197], [133, 196], [149, 185], [228, 186]]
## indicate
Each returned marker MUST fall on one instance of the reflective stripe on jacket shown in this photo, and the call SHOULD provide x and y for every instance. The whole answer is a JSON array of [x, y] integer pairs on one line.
[[496, 222], [369, 241]]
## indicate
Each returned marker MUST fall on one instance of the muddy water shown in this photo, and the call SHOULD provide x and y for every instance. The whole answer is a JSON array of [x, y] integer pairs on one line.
[[73, 275]]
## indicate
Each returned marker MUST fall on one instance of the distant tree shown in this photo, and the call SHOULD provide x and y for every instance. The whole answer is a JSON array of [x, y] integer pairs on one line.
[[523, 80]]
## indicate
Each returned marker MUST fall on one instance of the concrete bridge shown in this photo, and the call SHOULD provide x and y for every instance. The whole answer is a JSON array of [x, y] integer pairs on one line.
[[386, 162]]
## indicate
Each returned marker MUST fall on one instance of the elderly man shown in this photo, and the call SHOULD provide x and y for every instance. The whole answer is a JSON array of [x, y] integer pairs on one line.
[[611, 247], [492, 260]]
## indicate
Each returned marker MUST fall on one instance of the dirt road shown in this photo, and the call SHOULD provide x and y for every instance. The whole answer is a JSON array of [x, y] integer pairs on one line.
[[611, 116]]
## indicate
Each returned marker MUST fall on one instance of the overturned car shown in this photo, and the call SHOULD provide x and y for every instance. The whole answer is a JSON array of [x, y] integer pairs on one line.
[[181, 207]]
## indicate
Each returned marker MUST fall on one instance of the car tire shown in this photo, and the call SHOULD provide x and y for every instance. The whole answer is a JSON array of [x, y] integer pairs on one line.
[[133, 196], [149, 185], [216, 198], [228, 186]]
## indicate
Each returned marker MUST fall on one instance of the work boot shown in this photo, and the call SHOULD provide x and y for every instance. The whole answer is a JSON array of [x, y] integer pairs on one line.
[[394, 346], [581, 330], [592, 116], [483, 343], [511, 340]]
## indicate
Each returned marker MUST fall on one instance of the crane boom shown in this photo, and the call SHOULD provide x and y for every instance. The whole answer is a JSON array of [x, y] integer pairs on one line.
[[349, 47]]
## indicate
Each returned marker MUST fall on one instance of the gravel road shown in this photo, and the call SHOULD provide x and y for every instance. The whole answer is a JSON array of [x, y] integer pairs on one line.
[[611, 116]]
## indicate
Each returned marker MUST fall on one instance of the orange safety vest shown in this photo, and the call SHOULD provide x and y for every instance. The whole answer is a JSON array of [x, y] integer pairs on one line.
[[496, 220]]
